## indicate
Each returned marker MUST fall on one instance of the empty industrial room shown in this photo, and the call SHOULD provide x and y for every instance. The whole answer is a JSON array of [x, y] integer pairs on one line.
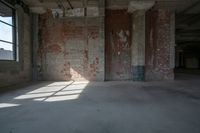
[[99, 66]]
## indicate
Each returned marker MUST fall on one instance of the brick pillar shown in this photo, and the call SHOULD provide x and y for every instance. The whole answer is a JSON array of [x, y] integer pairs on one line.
[[159, 45]]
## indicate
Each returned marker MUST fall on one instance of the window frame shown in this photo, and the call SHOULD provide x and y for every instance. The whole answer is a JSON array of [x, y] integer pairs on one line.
[[14, 33]]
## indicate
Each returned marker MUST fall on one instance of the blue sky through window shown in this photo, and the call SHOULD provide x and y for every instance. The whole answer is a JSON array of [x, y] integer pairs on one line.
[[6, 33]]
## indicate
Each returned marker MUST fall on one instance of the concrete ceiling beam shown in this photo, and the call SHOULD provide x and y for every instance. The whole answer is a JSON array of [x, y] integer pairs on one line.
[[38, 10], [140, 5]]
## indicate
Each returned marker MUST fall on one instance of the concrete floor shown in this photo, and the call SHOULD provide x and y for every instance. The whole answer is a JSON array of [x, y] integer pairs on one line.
[[103, 107]]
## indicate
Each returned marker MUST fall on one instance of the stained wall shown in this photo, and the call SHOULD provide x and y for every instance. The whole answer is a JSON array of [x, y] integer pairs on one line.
[[70, 48], [118, 45], [159, 46]]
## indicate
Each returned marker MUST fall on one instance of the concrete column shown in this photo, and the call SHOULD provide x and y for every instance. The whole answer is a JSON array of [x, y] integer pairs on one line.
[[138, 10], [34, 46], [138, 45], [102, 34]]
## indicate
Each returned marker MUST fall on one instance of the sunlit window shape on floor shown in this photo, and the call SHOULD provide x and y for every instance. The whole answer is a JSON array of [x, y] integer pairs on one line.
[[6, 105], [56, 91]]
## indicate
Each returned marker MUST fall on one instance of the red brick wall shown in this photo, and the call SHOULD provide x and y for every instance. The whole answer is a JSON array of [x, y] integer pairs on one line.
[[69, 49], [118, 43], [158, 46]]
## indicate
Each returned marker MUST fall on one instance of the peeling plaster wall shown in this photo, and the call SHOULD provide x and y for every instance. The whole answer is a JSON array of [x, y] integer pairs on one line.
[[118, 45], [12, 72], [158, 46], [70, 48]]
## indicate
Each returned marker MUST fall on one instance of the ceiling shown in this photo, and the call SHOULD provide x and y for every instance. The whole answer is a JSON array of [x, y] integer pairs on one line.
[[175, 5], [188, 25], [187, 13]]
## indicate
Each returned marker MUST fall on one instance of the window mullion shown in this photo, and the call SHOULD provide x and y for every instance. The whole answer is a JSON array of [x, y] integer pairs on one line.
[[7, 42], [9, 51], [7, 23]]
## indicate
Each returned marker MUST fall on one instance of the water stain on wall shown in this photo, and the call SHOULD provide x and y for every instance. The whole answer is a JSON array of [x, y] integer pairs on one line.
[[118, 43], [69, 49]]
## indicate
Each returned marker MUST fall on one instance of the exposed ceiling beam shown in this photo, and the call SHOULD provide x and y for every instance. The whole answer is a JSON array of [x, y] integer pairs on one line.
[[182, 19], [190, 7], [187, 38], [186, 43], [195, 20], [70, 4], [189, 35], [188, 31], [188, 22], [60, 4]]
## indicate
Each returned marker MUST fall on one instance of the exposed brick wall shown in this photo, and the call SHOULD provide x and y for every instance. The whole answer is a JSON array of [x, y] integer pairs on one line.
[[118, 45], [12, 72], [69, 49], [158, 45]]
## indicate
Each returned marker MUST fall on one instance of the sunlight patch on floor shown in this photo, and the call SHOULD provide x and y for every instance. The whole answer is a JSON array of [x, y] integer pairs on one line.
[[53, 87], [31, 96], [6, 105], [62, 98], [57, 91]]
